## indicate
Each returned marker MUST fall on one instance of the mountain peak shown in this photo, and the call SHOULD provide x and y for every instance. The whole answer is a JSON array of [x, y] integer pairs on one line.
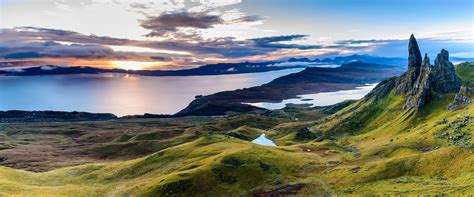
[[414, 54]]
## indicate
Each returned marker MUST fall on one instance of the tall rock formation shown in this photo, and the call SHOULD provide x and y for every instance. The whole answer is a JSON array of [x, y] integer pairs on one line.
[[422, 81], [444, 74], [421, 90], [407, 80], [414, 54]]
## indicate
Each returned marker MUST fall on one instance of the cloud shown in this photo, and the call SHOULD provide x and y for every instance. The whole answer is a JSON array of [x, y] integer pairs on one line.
[[23, 34], [169, 23], [32, 45], [26, 43], [140, 5], [51, 49], [247, 19], [160, 6], [280, 64], [355, 42], [181, 24], [278, 38], [274, 42]]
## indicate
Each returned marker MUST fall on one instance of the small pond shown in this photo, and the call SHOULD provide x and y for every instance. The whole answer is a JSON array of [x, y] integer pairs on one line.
[[262, 140]]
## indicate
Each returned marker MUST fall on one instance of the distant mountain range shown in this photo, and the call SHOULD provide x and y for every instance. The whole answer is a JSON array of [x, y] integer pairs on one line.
[[212, 69], [220, 68], [339, 60], [346, 59]]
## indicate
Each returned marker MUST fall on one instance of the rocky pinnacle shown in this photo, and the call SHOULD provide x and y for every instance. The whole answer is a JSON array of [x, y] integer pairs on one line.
[[407, 80], [421, 91], [423, 82], [414, 54], [444, 74]]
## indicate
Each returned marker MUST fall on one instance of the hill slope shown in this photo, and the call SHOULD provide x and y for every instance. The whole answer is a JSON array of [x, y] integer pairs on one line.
[[400, 139], [465, 71]]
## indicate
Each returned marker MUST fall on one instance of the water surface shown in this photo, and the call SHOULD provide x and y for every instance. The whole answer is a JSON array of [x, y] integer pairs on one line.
[[264, 141], [320, 99], [119, 94]]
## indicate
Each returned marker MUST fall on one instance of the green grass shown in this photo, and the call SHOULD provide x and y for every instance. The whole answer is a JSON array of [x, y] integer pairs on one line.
[[370, 147], [211, 165], [465, 71], [219, 165]]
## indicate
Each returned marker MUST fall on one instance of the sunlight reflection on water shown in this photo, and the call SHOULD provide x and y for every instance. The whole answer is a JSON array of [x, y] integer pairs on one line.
[[119, 94]]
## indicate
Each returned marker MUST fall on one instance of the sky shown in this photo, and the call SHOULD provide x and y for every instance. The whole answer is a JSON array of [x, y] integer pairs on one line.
[[177, 34]]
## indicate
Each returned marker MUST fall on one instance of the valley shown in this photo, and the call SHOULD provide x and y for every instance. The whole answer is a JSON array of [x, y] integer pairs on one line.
[[411, 135]]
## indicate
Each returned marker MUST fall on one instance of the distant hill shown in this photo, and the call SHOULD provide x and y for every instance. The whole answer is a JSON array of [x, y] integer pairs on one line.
[[212, 69], [356, 57], [311, 80], [51, 116], [353, 72]]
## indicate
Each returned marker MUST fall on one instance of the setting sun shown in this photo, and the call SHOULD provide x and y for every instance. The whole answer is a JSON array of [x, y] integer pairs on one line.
[[133, 65]]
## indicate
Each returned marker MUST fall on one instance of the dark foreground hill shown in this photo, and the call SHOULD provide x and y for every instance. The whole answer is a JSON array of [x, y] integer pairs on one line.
[[51, 116], [402, 139]]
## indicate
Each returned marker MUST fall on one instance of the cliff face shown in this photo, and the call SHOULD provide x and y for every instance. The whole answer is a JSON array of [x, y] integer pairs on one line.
[[422, 81]]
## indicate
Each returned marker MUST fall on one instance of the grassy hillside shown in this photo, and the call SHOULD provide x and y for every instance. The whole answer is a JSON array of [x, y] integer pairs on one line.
[[465, 71], [388, 154], [369, 147]]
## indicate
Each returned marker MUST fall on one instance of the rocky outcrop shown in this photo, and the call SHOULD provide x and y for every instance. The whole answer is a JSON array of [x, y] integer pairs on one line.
[[408, 79], [423, 82], [461, 99], [414, 54], [444, 76], [420, 94], [433, 80]]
